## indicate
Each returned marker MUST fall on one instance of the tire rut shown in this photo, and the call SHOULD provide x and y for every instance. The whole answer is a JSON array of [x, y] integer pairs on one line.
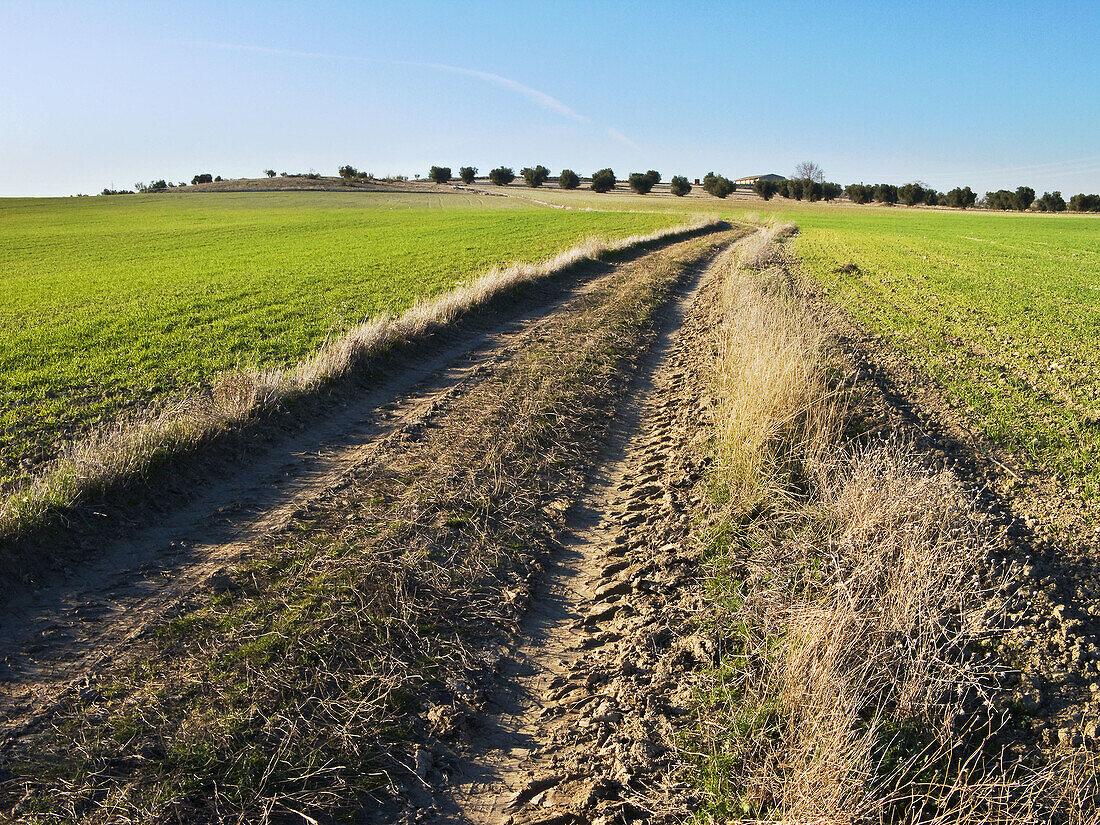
[[579, 726]]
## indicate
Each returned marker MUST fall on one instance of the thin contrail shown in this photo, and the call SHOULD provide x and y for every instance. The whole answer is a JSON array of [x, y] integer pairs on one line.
[[534, 95], [619, 136]]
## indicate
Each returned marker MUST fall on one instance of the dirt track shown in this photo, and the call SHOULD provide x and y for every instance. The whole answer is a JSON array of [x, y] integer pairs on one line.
[[56, 642], [565, 706]]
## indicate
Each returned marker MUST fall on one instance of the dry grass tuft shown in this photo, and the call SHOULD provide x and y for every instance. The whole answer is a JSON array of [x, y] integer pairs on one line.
[[776, 411], [854, 685], [129, 448]]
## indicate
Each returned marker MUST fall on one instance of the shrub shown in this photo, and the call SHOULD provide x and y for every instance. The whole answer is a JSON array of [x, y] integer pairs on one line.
[[640, 182], [205, 177], [467, 173], [440, 174], [348, 172], [269, 172], [679, 186], [502, 175], [603, 180], [568, 179], [535, 177]]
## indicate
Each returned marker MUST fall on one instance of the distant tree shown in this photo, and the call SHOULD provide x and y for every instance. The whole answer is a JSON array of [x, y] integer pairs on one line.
[[831, 191], [886, 193], [348, 172], [1084, 203], [1024, 197], [205, 177], [810, 171], [717, 185], [269, 172], [654, 176], [568, 179], [958, 198], [860, 192], [721, 186], [603, 180], [640, 182], [765, 188], [467, 173], [911, 194], [794, 188], [535, 177], [931, 196], [1002, 199], [812, 190], [679, 186], [502, 176], [1051, 202], [440, 174], [217, 178]]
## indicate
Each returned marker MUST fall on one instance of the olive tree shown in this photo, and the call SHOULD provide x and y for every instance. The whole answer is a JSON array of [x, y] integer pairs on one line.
[[679, 186], [603, 180]]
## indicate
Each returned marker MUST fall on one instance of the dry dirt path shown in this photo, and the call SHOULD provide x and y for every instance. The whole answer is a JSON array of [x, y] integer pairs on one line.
[[579, 727], [52, 640]]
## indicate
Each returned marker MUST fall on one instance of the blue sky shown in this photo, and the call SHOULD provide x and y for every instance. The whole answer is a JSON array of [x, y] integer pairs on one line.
[[989, 95]]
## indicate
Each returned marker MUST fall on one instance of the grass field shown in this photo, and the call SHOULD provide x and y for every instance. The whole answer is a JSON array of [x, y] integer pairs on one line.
[[1003, 310], [109, 304]]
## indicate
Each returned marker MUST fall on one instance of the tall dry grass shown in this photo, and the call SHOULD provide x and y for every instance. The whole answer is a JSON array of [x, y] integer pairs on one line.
[[846, 598], [129, 448]]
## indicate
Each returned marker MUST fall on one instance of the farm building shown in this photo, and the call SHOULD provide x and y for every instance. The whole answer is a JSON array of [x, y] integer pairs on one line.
[[749, 181]]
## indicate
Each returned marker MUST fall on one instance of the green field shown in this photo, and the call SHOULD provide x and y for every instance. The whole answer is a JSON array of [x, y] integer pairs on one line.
[[1002, 309], [109, 304]]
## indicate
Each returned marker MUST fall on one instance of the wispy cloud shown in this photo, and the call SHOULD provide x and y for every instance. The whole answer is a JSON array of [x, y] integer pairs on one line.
[[537, 97], [615, 134]]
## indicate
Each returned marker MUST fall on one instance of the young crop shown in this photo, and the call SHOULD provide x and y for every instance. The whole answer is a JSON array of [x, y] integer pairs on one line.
[[125, 302]]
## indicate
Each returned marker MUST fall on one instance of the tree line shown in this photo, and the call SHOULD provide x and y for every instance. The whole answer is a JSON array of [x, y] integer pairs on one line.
[[602, 180], [808, 184]]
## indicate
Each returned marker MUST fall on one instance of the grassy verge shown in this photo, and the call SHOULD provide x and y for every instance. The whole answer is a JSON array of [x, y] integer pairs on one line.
[[345, 650], [843, 591], [129, 449]]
